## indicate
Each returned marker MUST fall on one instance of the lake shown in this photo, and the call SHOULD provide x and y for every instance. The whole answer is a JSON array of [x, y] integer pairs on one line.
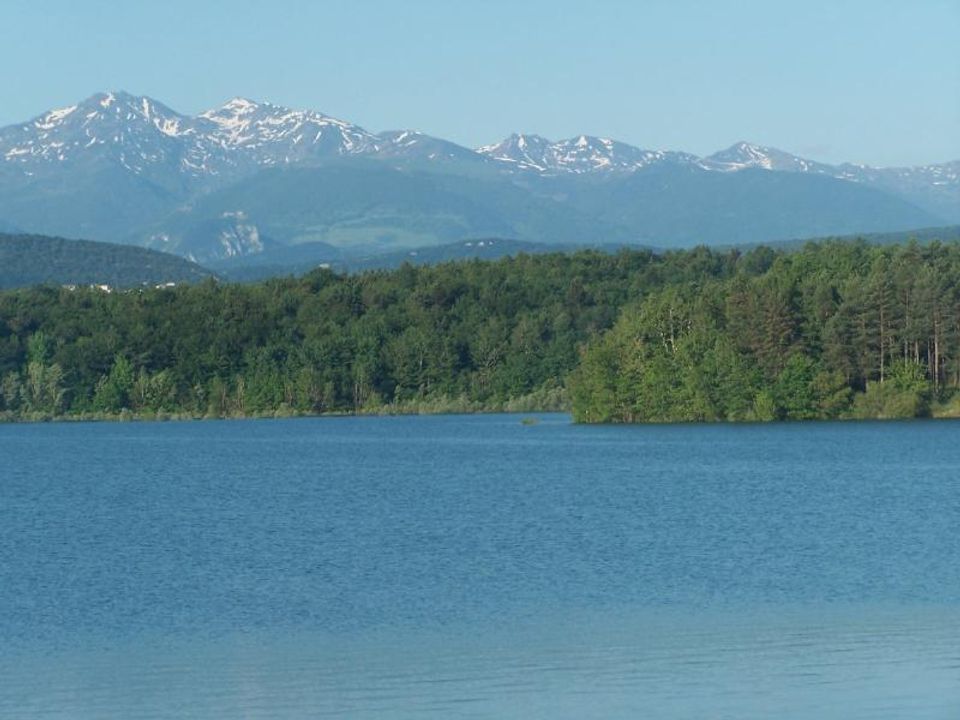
[[479, 567]]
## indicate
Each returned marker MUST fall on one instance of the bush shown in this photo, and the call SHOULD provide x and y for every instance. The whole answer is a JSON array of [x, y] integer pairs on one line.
[[887, 401], [764, 408]]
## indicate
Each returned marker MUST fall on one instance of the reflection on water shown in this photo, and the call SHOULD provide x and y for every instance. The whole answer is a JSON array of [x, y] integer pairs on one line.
[[845, 663]]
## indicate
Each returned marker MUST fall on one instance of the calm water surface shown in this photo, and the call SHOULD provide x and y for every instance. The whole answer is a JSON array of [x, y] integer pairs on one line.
[[477, 567]]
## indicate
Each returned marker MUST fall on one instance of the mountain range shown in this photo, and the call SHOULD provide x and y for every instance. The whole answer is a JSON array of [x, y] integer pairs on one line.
[[252, 178]]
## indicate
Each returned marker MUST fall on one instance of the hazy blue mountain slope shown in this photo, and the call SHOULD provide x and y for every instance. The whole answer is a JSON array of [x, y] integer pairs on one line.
[[670, 206], [366, 206], [91, 201], [370, 207], [282, 261], [935, 188]]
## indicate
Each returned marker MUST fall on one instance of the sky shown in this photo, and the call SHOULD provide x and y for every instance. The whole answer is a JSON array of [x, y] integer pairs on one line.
[[873, 82]]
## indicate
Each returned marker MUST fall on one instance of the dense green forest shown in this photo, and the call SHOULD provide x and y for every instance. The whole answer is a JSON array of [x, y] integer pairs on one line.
[[35, 259], [836, 329], [468, 335]]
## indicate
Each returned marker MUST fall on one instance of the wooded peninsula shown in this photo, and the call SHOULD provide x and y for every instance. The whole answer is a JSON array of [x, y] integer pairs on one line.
[[832, 330]]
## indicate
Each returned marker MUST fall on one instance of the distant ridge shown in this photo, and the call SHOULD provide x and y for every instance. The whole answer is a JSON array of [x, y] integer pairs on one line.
[[252, 269], [37, 260], [922, 236]]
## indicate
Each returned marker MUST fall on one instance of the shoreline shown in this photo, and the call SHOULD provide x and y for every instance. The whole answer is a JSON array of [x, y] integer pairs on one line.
[[394, 411]]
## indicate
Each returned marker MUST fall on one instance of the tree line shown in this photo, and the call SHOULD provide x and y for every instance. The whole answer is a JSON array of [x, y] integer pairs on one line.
[[835, 329]]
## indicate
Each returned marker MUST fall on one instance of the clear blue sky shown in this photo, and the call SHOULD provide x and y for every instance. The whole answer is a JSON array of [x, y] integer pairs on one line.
[[873, 81]]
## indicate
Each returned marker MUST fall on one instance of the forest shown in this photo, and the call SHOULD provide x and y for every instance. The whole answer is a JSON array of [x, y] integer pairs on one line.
[[468, 335], [36, 260], [831, 330], [835, 330]]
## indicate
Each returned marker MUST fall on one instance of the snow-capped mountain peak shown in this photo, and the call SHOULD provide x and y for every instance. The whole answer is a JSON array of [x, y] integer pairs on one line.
[[236, 112], [275, 134], [586, 153], [578, 155], [143, 135], [134, 131], [527, 152], [743, 155], [238, 105]]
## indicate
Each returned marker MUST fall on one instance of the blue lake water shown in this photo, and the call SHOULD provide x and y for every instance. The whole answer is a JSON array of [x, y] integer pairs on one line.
[[478, 567]]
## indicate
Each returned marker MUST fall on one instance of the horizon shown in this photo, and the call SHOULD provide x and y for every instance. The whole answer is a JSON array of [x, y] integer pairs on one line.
[[835, 84]]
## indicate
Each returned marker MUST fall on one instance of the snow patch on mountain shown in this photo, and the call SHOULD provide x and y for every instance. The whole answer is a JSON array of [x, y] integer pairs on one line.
[[53, 118], [743, 155], [578, 155], [526, 152], [415, 145], [273, 134]]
